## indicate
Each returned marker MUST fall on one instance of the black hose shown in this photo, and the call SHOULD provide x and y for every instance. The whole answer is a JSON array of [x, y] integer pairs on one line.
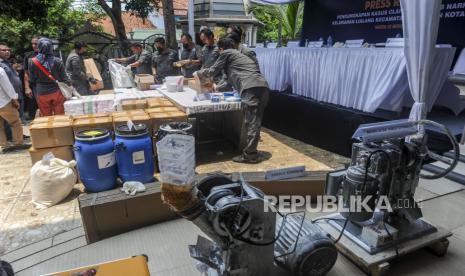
[[456, 177], [455, 146]]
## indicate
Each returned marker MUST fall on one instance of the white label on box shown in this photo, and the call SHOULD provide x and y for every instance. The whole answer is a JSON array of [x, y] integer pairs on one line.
[[285, 173], [106, 161], [138, 157]]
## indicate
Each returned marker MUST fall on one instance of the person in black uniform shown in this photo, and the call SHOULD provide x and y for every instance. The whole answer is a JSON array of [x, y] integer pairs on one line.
[[245, 76], [164, 61], [190, 56], [141, 59]]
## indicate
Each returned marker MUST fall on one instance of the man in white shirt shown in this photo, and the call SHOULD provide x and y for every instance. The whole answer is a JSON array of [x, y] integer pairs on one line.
[[9, 105]]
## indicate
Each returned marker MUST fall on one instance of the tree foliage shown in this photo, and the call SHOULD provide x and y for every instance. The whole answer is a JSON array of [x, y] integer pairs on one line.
[[290, 16], [113, 10], [142, 8], [53, 18]]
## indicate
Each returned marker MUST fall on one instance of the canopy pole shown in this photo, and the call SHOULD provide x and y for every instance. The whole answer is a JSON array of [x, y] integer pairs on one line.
[[190, 18]]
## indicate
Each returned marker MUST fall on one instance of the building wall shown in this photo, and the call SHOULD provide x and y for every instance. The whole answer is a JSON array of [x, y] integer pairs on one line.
[[202, 8]]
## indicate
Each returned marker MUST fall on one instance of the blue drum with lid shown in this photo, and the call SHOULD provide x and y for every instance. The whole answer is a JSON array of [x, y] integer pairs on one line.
[[95, 157], [134, 154]]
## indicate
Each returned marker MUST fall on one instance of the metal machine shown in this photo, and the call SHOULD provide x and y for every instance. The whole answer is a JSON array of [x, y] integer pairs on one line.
[[385, 168], [246, 240]]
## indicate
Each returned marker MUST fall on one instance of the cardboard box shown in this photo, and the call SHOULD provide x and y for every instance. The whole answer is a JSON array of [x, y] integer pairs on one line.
[[202, 85], [135, 118], [64, 153], [311, 184], [51, 133], [187, 80], [127, 113], [143, 81], [134, 104], [106, 92], [158, 102], [96, 115], [162, 118], [57, 118], [92, 70], [111, 213], [161, 109], [91, 123], [135, 265]]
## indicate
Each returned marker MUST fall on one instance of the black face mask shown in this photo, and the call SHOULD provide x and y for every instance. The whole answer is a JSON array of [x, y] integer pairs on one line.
[[186, 46], [159, 49]]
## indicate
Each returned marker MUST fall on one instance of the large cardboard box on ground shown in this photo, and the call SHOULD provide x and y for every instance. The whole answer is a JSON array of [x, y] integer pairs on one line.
[[143, 81], [158, 102], [51, 133], [92, 123], [134, 104], [64, 153], [162, 118], [111, 213], [135, 118], [92, 70]]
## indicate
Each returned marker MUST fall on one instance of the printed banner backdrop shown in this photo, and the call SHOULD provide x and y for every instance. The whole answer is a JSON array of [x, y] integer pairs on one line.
[[374, 21]]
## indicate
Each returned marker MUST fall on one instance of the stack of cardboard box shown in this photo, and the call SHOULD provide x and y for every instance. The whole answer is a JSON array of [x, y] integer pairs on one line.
[[134, 104], [92, 121], [158, 102], [136, 116], [52, 134]]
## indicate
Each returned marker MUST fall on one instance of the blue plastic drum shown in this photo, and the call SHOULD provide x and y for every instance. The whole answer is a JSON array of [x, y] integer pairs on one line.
[[134, 153], [95, 157]]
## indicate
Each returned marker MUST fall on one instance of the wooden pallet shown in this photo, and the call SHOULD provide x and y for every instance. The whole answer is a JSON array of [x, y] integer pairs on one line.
[[378, 264]]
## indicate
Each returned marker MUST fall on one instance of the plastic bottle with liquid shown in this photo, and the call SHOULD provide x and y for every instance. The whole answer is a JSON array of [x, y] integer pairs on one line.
[[329, 43]]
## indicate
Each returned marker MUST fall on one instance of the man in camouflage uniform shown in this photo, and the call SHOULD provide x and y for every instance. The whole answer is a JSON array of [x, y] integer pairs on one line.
[[210, 52], [190, 56], [76, 69], [245, 76], [141, 59], [164, 60]]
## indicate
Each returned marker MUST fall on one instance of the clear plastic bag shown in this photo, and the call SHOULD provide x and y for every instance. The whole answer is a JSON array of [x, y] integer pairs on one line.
[[176, 157], [120, 77], [68, 91]]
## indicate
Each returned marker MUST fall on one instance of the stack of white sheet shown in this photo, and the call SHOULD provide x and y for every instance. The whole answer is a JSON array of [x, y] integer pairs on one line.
[[90, 105]]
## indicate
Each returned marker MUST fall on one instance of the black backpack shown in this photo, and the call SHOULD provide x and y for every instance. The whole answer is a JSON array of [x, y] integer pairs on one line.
[[6, 269]]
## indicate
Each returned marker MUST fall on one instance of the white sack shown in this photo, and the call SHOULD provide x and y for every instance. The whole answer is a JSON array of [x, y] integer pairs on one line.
[[51, 181]]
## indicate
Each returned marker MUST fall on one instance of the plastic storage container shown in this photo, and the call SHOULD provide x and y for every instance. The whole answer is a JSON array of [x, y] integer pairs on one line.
[[134, 153], [95, 157], [174, 128]]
